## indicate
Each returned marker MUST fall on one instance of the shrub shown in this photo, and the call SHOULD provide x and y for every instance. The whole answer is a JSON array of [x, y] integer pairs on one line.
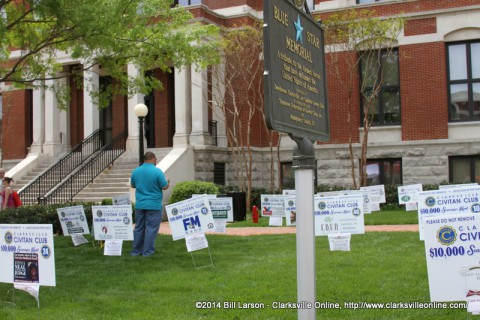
[[185, 189], [107, 202], [41, 214]]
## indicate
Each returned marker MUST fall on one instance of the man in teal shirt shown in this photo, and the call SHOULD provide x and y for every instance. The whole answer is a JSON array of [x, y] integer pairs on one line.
[[149, 182]]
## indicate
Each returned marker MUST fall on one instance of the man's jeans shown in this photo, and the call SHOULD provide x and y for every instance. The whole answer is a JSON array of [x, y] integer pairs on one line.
[[147, 224]]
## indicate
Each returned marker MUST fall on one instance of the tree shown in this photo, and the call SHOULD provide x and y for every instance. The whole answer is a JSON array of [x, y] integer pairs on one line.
[[109, 33], [357, 38], [237, 94]]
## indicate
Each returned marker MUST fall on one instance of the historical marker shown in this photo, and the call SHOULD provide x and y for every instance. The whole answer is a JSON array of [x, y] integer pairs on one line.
[[295, 87]]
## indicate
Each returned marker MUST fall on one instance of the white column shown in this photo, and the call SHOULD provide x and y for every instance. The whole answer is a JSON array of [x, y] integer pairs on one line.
[[199, 135], [133, 128], [91, 114], [38, 120], [183, 102], [52, 144]]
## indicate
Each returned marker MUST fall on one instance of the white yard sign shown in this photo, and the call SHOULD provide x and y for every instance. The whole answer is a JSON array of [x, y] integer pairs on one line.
[[272, 205], [339, 214], [26, 254], [452, 250], [453, 186], [73, 220], [447, 201], [121, 199], [222, 208], [377, 193], [290, 210], [190, 216], [367, 202], [408, 194], [112, 222]]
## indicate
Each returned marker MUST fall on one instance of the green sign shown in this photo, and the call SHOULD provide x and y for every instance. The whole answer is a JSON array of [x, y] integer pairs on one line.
[[295, 86], [219, 214]]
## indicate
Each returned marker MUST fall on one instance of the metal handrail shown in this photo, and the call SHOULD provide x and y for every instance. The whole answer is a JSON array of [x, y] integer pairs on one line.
[[74, 183], [37, 188]]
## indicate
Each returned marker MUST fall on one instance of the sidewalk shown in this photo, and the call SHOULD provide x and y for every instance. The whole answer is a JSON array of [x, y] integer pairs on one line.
[[251, 231]]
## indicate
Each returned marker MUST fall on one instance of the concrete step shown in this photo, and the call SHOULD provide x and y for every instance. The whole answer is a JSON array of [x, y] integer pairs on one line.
[[113, 182], [91, 189]]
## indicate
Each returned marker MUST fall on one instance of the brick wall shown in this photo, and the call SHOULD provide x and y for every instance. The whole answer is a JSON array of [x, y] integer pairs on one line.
[[338, 96], [119, 113], [163, 110], [76, 112], [16, 123], [420, 26], [424, 104]]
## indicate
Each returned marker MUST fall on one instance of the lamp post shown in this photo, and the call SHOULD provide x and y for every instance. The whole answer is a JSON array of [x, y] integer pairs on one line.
[[140, 111]]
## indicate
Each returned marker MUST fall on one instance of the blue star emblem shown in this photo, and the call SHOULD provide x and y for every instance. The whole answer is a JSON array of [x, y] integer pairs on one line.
[[299, 28]]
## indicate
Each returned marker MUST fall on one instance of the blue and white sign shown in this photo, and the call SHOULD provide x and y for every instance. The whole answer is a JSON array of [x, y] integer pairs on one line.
[[222, 208], [190, 216], [408, 194], [290, 204], [367, 201], [26, 252], [272, 205], [447, 201], [453, 186], [377, 193], [452, 250], [122, 199], [339, 214], [73, 220], [112, 222]]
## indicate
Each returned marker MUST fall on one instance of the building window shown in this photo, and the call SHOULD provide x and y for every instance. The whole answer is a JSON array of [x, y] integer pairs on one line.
[[464, 81], [464, 169], [385, 109], [384, 171], [287, 176], [219, 173], [185, 3]]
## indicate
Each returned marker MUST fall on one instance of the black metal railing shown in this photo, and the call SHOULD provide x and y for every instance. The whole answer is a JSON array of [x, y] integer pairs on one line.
[[74, 183], [37, 188]]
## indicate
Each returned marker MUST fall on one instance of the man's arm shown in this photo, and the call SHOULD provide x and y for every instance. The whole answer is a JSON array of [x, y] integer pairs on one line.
[[168, 184]]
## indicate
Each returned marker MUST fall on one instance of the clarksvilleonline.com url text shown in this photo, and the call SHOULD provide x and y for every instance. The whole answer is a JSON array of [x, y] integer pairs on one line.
[[328, 305]]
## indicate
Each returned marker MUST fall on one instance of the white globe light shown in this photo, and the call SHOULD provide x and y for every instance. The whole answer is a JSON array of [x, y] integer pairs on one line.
[[140, 110]]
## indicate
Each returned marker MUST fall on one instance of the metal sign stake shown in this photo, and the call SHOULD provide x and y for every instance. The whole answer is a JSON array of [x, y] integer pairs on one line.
[[304, 164]]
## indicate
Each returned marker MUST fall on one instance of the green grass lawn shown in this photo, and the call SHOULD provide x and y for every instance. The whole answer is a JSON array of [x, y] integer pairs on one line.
[[389, 217], [381, 267]]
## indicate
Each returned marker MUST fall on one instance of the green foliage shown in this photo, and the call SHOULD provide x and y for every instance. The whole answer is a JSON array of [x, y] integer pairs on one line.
[[185, 189], [111, 33], [362, 29], [107, 202]]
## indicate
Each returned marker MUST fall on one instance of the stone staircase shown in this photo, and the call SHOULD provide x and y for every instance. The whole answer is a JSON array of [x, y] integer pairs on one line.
[[31, 175], [114, 181]]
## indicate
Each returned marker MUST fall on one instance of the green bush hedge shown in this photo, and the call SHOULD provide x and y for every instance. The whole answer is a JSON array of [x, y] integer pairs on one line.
[[185, 189]]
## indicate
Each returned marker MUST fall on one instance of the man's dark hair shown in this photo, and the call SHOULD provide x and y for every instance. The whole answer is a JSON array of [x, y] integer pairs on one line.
[[149, 155]]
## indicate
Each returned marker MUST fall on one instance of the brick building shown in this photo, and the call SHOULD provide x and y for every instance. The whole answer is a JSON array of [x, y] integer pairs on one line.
[[427, 129]]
